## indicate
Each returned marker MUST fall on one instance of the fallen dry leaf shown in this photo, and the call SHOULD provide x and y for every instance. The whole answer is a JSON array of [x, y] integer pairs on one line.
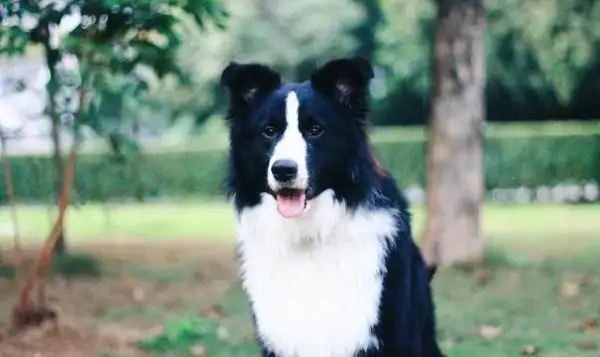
[[62, 282], [587, 345], [484, 276], [529, 350], [250, 337], [575, 305], [589, 280], [569, 289], [198, 351], [215, 311], [488, 332], [591, 325], [139, 295], [156, 330], [223, 333]]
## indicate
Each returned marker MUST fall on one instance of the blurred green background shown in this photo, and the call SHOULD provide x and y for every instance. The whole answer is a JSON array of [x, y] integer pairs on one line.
[[148, 264]]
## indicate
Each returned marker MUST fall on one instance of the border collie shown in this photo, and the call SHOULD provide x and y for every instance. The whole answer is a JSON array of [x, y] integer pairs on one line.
[[325, 247]]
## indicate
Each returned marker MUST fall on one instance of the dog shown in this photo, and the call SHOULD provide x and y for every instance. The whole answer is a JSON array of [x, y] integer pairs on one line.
[[326, 254]]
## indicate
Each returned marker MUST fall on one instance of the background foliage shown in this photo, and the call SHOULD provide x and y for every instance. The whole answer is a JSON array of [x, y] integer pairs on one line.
[[527, 155], [157, 64], [542, 55]]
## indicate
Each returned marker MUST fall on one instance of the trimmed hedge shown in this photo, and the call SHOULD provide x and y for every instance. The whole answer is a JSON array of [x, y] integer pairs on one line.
[[510, 160], [99, 178]]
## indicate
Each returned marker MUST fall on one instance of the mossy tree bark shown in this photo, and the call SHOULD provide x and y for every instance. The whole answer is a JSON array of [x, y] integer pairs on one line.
[[455, 177]]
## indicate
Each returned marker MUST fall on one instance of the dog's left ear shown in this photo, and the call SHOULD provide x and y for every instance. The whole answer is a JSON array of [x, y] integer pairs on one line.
[[344, 80]]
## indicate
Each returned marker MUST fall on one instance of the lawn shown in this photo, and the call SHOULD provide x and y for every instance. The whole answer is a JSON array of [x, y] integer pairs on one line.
[[550, 228], [167, 285]]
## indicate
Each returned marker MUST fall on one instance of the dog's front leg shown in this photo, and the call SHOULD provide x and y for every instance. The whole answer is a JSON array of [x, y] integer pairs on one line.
[[264, 352]]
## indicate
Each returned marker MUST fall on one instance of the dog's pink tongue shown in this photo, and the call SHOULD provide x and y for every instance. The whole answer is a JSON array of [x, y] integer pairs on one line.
[[291, 206]]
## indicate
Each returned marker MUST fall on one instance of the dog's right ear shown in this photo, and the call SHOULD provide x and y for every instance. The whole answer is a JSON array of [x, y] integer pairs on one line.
[[247, 82]]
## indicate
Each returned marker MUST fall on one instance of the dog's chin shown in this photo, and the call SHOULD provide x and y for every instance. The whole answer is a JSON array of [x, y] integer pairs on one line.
[[291, 202]]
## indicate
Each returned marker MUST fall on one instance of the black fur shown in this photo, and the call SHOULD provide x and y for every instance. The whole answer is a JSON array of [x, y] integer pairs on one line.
[[336, 98]]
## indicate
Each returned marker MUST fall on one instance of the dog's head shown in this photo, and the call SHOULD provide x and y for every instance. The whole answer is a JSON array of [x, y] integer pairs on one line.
[[295, 140]]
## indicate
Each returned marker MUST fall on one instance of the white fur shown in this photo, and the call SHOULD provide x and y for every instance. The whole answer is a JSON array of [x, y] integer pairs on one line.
[[314, 281], [292, 145]]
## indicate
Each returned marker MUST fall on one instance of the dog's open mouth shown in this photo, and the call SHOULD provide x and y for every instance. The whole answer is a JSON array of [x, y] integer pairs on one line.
[[291, 203]]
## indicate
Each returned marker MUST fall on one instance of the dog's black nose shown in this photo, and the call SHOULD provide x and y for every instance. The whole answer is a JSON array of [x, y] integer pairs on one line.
[[284, 170]]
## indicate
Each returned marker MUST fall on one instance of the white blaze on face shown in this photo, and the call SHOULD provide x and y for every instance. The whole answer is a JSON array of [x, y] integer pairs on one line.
[[291, 146]]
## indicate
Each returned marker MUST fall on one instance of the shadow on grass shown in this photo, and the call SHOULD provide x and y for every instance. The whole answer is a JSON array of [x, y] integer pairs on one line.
[[68, 265], [77, 265], [497, 258]]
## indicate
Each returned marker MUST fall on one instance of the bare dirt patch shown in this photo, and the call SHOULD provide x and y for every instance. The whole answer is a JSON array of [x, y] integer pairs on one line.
[[69, 340], [86, 307]]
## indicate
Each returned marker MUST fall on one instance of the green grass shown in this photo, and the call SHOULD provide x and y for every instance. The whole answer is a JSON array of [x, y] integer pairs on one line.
[[511, 291], [547, 227], [519, 296], [523, 301], [206, 220], [182, 334]]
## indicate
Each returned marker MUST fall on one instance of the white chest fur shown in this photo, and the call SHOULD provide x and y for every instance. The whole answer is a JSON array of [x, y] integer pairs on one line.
[[314, 282]]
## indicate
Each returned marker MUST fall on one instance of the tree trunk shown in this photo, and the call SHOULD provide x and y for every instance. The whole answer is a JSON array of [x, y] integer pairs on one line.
[[59, 168], [52, 59], [140, 192], [366, 31], [455, 178]]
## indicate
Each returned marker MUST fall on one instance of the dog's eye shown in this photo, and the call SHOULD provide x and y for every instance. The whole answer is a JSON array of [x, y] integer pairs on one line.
[[315, 130], [269, 132]]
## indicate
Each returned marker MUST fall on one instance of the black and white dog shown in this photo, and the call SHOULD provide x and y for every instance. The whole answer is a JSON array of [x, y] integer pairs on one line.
[[328, 261]]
